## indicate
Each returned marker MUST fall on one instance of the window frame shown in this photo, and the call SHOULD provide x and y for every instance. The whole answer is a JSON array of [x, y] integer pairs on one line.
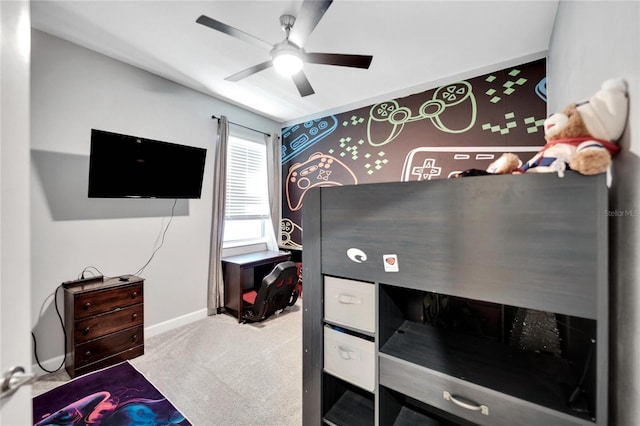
[[238, 142]]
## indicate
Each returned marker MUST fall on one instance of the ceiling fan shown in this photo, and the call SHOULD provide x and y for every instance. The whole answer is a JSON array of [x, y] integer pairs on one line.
[[289, 53]]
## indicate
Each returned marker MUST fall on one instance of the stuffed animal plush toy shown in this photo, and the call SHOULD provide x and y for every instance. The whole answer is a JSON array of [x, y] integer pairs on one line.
[[581, 138], [505, 164]]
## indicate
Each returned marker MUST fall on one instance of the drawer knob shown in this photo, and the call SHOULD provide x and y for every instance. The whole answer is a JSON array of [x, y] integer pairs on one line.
[[134, 337], [86, 306], [87, 354], [465, 403], [134, 294], [86, 330], [134, 316]]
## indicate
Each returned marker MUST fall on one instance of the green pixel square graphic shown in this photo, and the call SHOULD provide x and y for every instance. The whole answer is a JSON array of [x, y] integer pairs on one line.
[[508, 84], [490, 92], [490, 79], [529, 120], [521, 81], [495, 99], [514, 72], [486, 126], [504, 131], [511, 125], [509, 115], [508, 91]]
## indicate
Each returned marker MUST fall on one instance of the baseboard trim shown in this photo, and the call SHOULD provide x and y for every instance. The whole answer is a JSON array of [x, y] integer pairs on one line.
[[49, 364], [153, 330]]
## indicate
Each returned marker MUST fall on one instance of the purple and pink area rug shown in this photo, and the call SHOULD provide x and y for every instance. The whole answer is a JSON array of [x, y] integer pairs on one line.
[[116, 396]]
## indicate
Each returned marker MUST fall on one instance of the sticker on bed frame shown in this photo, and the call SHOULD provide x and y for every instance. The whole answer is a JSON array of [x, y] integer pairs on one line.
[[390, 263]]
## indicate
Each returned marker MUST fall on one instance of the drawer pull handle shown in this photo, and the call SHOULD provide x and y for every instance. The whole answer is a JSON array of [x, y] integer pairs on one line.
[[469, 405], [134, 337], [349, 300], [346, 353], [87, 354], [86, 330], [134, 294], [86, 306], [134, 316]]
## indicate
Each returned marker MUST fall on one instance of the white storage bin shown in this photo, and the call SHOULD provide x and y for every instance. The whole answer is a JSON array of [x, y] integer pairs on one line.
[[350, 303], [350, 358]]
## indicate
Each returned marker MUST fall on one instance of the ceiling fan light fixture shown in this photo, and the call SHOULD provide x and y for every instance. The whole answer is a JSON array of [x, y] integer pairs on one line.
[[287, 61]]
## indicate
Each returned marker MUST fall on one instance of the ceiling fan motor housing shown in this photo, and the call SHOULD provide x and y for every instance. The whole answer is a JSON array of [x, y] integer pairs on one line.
[[286, 22]]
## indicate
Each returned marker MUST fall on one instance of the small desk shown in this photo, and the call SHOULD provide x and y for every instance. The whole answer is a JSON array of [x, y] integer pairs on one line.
[[242, 272]]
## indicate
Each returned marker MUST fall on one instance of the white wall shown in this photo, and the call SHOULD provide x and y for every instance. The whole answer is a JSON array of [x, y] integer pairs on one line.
[[73, 90], [593, 41]]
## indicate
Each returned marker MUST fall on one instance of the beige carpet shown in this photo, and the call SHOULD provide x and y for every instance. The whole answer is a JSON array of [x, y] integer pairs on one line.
[[219, 372]]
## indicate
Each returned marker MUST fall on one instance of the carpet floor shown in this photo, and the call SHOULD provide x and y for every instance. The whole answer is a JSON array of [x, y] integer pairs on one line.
[[219, 372]]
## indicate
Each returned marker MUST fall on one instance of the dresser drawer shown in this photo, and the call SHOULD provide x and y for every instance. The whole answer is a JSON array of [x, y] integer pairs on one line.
[[111, 360], [349, 358], [95, 350], [350, 303], [100, 325], [97, 302], [469, 401]]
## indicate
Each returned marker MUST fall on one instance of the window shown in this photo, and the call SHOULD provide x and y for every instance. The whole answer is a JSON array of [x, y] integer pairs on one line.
[[247, 202]]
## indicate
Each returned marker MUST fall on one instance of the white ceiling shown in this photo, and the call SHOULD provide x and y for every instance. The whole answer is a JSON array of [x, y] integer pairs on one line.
[[413, 43]]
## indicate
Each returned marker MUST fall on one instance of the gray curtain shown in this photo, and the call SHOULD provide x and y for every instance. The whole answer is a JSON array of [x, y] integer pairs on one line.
[[274, 157], [215, 291]]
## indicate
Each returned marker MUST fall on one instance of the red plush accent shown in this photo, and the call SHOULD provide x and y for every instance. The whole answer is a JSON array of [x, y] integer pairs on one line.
[[250, 296], [298, 287]]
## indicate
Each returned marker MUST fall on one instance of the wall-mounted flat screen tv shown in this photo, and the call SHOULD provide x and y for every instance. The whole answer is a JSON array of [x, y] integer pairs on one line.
[[123, 166]]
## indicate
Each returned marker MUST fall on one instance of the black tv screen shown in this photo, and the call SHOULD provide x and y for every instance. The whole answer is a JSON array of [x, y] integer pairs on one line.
[[129, 166]]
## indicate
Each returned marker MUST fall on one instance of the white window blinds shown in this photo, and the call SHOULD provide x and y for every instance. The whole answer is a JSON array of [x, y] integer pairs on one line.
[[247, 191]]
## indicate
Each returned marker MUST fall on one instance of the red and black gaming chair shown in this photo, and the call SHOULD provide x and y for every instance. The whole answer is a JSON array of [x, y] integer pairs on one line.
[[277, 292]]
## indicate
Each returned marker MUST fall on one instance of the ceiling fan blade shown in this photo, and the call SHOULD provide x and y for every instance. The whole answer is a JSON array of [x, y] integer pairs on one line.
[[310, 14], [355, 61], [302, 83], [233, 32], [249, 71]]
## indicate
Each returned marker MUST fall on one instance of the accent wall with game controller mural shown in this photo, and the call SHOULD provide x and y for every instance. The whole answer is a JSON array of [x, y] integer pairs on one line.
[[429, 135]]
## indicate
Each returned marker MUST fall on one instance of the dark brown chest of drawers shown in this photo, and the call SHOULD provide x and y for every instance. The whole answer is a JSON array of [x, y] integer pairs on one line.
[[104, 322]]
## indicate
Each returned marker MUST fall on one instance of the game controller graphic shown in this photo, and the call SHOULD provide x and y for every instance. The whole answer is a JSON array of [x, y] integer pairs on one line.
[[388, 118], [541, 89], [319, 170], [425, 163], [299, 137], [287, 227]]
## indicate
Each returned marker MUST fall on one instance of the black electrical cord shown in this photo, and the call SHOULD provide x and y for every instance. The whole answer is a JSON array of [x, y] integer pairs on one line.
[[33, 336], [139, 271], [87, 269]]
